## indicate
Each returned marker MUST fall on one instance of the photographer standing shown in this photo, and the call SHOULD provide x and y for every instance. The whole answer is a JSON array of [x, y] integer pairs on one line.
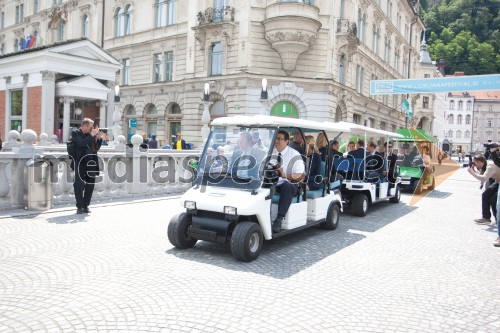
[[87, 141], [489, 196]]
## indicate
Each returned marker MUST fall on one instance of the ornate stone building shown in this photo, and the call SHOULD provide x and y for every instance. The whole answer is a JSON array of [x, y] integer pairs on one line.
[[318, 56]]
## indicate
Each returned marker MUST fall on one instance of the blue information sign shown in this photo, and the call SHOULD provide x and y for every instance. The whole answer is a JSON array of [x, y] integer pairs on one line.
[[445, 84], [132, 123]]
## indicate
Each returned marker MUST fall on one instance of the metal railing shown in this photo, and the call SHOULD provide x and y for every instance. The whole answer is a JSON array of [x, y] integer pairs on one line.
[[214, 15]]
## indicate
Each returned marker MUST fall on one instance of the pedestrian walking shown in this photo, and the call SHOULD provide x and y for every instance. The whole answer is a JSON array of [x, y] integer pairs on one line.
[[440, 157], [87, 140]]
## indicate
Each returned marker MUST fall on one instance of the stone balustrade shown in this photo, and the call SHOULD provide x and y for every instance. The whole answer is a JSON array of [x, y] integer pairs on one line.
[[126, 172]]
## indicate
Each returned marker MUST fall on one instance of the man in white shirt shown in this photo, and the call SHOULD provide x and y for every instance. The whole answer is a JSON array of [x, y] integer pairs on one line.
[[291, 168]]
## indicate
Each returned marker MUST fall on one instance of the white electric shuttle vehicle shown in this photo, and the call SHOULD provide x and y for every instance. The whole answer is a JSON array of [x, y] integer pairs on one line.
[[233, 199], [368, 178]]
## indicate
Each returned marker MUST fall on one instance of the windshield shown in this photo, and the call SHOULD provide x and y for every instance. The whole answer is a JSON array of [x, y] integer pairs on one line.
[[235, 156]]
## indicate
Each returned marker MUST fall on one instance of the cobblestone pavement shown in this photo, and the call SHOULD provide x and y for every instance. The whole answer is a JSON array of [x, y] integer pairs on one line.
[[426, 268]]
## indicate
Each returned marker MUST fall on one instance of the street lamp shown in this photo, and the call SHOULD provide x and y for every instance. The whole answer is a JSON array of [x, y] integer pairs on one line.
[[263, 93], [117, 93], [206, 92]]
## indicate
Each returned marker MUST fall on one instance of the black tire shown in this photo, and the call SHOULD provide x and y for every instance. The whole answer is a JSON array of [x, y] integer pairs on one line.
[[359, 205], [332, 217], [177, 231], [246, 241], [397, 195]]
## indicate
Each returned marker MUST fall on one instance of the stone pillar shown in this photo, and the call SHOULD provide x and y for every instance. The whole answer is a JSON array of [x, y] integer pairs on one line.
[[66, 115], [102, 114], [48, 99], [25, 101]]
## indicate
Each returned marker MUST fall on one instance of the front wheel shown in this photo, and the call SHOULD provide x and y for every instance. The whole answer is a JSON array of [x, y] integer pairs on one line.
[[177, 231], [397, 195], [359, 205], [332, 217], [433, 184], [246, 241]]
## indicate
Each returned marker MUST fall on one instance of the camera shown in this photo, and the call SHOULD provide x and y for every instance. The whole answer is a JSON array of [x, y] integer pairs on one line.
[[104, 130], [490, 145]]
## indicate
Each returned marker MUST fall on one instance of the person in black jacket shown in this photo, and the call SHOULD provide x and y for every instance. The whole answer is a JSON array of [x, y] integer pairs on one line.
[[314, 175], [87, 141], [179, 142]]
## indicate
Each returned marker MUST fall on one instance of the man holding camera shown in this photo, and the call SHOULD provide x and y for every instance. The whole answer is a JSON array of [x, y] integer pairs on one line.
[[489, 196], [87, 140]]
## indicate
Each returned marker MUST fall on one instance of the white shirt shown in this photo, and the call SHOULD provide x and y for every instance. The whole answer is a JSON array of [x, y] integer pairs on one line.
[[427, 160], [290, 155]]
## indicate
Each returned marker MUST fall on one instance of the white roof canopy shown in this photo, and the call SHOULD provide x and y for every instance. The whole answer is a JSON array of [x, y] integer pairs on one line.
[[82, 87], [261, 120], [360, 129]]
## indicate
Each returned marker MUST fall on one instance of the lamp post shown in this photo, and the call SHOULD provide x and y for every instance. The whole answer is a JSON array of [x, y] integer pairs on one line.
[[117, 117], [263, 97], [205, 117]]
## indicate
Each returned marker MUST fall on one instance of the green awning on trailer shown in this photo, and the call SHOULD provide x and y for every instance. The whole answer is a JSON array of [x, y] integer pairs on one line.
[[415, 135]]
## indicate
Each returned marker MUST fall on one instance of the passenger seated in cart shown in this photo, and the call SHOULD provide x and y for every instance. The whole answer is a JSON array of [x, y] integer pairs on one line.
[[360, 152], [292, 170], [314, 165], [246, 159]]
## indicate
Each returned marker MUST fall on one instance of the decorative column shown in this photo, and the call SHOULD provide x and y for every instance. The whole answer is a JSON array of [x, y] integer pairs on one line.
[[102, 113], [48, 99], [66, 116]]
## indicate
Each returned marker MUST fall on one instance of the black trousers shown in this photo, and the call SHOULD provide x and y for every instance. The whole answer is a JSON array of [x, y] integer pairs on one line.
[[287, 191], [84, 185], [489, 200]]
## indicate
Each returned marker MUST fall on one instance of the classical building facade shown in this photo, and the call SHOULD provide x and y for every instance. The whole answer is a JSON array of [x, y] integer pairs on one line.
[[318, 56], [458, 116], [486, 118]]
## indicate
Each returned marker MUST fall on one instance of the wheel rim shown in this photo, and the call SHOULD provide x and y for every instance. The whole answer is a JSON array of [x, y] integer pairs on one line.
[[335, 216], [398, 193], [365, 205], [254, 242]]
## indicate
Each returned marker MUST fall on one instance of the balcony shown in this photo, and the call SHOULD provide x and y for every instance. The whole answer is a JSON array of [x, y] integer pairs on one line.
[[291, 29], [216, 15], [347, 39], [218, 21]]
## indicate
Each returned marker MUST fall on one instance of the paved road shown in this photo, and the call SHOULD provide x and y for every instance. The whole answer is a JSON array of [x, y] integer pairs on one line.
[[426, 268]]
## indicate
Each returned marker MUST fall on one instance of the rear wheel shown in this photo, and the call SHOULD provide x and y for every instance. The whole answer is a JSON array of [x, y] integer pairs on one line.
[[433, 184], [246, 241], [359, 205], [177, 231], [397, 195], [332, 217]]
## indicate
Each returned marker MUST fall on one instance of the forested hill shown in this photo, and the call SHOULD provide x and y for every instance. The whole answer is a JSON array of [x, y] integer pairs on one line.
[[466, 33]]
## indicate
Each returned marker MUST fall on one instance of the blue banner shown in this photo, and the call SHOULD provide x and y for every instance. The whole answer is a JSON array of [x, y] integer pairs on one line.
[[445, 84]]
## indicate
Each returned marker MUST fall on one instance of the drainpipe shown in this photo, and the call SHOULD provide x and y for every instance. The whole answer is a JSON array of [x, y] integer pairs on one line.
[[103, 17], [415, 19]]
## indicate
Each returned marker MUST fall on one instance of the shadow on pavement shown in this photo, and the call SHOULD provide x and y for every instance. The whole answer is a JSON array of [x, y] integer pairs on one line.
[[438, 194], [67, 219], [287, 256]]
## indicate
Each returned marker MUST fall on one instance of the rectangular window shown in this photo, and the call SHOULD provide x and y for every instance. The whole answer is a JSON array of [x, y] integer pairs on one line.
[[125, 72], [35, 6], [169, 65], [360, 72], [157, 67], [165, 11], [2, 20], [490, 123], [342, 69], [356, 118], [152, 128], [216, 53], [425, 102], [16, 110]]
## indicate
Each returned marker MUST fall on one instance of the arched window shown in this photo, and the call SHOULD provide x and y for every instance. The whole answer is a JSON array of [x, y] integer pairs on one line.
[[459, 119], [460, 105], [467, 119], [452, 105], [128, 20], [284, 109], [363, 27], [218, 109], [396, 60], [383, 125], [85, 26], [60, 31], [459, 135], [450, 119], [118, 22], [342, 69], [467, 134], [130, 111], [469, 105], [151, 120], [174, 118]]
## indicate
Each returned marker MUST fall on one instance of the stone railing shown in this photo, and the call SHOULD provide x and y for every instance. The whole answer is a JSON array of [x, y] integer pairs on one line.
[[214, 15], [126, 172], [346, 27]]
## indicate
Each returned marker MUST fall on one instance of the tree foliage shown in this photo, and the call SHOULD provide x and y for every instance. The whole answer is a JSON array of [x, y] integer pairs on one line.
[[466, 33]]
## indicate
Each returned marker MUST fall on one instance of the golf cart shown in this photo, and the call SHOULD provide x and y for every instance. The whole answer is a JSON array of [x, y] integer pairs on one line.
[[411, 167], [234, 200], [368, 179]]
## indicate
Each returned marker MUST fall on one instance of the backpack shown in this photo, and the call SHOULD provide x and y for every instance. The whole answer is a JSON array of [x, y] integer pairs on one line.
[[71, 148]]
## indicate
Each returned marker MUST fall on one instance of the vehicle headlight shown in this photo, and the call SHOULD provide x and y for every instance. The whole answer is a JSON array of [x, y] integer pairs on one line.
[[189, 204], [230, 210]]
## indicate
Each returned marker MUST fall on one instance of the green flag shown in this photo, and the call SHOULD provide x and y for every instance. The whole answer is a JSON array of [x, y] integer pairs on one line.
[[406, 107]]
